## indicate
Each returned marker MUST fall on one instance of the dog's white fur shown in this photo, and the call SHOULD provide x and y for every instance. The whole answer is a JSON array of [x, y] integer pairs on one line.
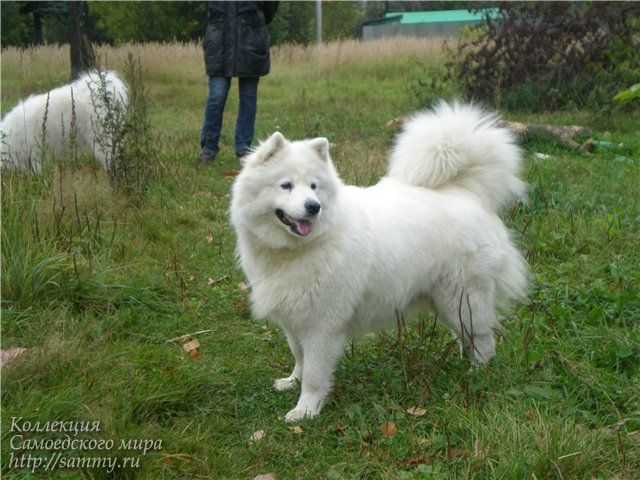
[[22, 127], [427, 234]]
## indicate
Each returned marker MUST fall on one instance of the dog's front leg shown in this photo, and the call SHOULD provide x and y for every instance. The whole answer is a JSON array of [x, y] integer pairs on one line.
[[321, 351], [289, 382]]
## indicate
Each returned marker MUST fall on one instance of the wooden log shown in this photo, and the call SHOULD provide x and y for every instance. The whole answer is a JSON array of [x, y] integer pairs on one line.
[[567, 135]]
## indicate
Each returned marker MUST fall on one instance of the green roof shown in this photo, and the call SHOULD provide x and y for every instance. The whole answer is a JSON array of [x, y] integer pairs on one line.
[[442, 16]]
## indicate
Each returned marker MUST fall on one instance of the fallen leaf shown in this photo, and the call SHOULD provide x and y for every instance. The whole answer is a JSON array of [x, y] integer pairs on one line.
[[416, 411], [243, 286], [210, 237], [231, 173], [257, 436], [10, 354], [296, 429], [191, 345], [194, 354], [265, 476], [389, 429]]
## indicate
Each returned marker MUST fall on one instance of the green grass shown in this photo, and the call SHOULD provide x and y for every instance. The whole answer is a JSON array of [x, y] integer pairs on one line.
[[94, 283]]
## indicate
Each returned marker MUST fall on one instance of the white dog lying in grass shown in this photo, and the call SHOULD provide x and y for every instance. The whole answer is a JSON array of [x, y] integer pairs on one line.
[[78, 110], [327, 261]]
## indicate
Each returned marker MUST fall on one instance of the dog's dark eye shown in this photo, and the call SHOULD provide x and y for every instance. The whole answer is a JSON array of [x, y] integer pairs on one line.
[[313, 186], [286, 186]]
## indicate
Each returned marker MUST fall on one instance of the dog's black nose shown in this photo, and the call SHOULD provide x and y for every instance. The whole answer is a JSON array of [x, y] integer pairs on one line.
[[312, 207]]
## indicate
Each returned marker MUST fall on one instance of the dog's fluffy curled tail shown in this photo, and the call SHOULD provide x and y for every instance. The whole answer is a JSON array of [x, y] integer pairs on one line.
[[459, 146]]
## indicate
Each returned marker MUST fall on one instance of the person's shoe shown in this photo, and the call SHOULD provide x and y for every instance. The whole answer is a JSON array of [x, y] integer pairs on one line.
[[206, 157]]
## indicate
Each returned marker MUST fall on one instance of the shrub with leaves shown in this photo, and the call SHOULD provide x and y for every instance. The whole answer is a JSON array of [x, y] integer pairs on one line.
[[541, 55], [631, 94], [128, 137]]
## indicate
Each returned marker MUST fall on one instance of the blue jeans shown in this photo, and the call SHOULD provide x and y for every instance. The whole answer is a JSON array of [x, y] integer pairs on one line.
[[214, 108]]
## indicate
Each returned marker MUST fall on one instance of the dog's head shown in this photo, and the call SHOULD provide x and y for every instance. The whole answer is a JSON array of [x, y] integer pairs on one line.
[[286, 192]]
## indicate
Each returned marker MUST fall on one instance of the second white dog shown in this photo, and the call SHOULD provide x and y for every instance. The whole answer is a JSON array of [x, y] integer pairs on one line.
[[79, 109], [327, 261]]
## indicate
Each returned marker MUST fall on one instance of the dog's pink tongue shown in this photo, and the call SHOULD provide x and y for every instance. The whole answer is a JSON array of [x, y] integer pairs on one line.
[[304, 227]]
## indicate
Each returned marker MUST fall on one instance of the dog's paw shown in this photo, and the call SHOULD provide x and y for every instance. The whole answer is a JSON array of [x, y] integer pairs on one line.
[[482, 349], [298, 414], [287, 383]]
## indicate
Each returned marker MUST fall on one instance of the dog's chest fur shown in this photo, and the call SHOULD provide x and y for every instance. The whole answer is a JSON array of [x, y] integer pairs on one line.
[[293, 287]]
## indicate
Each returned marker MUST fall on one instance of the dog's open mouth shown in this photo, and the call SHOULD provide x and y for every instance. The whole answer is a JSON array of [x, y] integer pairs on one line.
[[299, 227]]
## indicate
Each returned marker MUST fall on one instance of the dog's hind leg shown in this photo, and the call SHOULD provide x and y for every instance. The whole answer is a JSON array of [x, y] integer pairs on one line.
[[321, 354], [286, 383], [471, 314]]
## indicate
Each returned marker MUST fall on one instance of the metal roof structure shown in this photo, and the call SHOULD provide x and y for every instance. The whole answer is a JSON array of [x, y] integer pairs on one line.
[[439, 16], [436, 23]]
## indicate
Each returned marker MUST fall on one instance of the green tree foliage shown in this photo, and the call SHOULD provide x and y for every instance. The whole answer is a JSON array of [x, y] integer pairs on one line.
[[293, 23], [32, 23], [185, 21], [341, 19], [150, 21], [16, 27], [25, 23]]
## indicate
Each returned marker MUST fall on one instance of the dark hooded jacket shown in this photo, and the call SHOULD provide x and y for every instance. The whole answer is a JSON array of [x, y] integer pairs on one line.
[[236, 43]]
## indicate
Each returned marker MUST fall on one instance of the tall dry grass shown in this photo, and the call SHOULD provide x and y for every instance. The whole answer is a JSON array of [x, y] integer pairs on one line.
[[28, 70], [349, 52]]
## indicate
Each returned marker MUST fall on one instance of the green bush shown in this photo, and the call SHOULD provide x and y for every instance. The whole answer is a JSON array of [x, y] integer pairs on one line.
[[547, 56], [631, 94]]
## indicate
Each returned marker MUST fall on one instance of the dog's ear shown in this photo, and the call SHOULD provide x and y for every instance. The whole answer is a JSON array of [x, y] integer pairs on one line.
[[270, 147], [320, 145]]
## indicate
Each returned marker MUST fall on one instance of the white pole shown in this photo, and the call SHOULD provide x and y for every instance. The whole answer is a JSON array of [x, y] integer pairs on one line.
[[319, 21]]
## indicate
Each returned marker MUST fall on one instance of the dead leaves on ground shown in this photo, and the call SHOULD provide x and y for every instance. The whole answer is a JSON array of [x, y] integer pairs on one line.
[[416, 411], [191, 347], [189, 343], [257, 436], [389, 429]]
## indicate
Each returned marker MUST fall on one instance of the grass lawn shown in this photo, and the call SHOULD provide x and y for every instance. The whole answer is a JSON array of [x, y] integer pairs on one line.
[[95, 282]]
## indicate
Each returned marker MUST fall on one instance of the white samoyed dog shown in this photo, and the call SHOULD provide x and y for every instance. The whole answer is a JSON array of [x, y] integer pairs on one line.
[[86, 102], [327, 261]]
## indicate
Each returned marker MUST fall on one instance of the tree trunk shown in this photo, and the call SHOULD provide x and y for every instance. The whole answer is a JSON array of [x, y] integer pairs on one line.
[[83, 57], [38, 35]]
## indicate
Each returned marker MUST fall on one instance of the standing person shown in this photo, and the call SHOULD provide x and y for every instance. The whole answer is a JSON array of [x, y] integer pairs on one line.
[[236, 44]]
